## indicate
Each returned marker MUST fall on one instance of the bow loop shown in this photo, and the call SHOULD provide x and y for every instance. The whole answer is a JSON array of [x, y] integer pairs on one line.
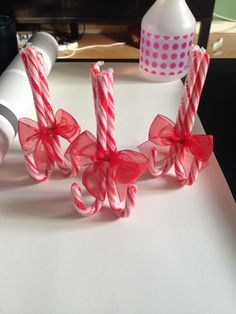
[[201, 146], [126, 167], [162, 131], [170, 143], [66, 126], [28, 134], [34, 137], [83, 148]]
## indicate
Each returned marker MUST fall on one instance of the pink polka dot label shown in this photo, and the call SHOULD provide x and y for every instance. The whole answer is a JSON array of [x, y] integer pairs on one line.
[[165, 55]]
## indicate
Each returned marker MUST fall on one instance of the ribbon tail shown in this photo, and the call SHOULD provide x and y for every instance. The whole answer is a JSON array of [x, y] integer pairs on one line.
[[66, 126]]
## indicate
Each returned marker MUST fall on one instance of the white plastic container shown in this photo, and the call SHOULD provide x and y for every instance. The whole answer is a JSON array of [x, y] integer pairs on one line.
[[166, 38], [15, 91]]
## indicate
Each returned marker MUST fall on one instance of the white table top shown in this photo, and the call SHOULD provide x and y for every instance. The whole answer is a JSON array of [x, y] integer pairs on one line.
[[175, 255]]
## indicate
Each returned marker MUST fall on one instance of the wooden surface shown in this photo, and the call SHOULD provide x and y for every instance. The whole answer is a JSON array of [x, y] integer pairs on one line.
[[126, 51], [229, 47]]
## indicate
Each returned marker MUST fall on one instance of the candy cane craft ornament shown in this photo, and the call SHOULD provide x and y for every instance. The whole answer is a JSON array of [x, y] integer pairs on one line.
[[173, 143], [109, 172], [40, 140]]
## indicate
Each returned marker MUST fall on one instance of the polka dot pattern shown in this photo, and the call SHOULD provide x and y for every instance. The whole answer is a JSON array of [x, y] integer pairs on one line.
[[165, 55]]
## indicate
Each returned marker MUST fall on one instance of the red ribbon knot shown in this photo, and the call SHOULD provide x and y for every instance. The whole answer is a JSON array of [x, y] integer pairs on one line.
[[38, 139], [123, 166], [168, 141]]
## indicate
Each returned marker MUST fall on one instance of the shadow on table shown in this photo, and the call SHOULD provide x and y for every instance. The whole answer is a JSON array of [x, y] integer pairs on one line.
[[55, 207], [13, 172], [162, 184], [41, 203]]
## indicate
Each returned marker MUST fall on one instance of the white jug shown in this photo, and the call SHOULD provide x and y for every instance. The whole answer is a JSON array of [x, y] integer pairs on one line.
[[167, 33]]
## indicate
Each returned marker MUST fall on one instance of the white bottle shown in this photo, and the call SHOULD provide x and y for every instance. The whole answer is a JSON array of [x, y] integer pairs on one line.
[[167, 34], [15, 91]]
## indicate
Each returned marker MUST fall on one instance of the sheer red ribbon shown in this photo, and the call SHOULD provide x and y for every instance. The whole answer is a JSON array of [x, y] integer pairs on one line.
[[171, 144], [37, 139], [123, 166]]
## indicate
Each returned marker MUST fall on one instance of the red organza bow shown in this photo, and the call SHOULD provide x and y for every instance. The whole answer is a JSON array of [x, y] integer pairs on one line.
[[38, 140], [122, 166], [167, 146]]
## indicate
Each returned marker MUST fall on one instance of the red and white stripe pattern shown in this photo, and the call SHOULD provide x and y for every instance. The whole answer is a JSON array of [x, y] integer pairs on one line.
[[102, 83], [33, 171], [33, 62], [194, 85], [29, 58], [100, 104], [50, 117], [199, 62], [112, 192], [162, 169]]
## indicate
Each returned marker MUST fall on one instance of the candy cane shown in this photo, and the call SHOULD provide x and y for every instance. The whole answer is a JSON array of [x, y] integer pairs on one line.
[[187, 90], [30, 63], [29, 58], [33, 62], [45, 90], [100, 103], [94, 71], [112, 193], [200, 65], [33, 170], [51, 118], [161, 170]]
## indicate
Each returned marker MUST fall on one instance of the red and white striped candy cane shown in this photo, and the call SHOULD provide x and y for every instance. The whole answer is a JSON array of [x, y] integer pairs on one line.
[[94, 71], [29, 59], [180, 122], [112, 192], [199, 65], [200, 77], [157, 170], [33, 170], [187, 91], [51, 119], [165, 166], [100, 103], [33, 61]]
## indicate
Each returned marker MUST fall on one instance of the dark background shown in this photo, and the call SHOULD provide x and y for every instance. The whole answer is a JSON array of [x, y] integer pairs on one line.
[[218, 115], [40, 11]]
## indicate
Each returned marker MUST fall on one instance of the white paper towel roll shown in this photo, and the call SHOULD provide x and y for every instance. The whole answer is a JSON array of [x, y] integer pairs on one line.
[[15, 91]]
